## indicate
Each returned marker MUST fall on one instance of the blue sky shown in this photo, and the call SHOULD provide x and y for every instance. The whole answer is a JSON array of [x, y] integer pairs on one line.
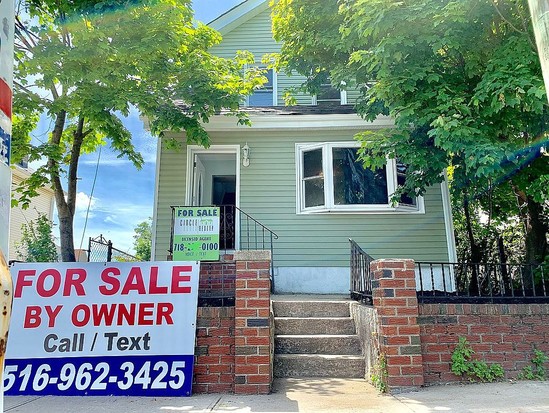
[[122, 197]]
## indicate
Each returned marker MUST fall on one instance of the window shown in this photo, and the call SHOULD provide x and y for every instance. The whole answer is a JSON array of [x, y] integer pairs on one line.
[[266, 95], [332, 179], [330, 95]]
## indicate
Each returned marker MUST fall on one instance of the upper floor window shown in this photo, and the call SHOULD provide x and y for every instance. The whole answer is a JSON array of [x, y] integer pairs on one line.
[[332, 179], [328, 94], [266, 95]]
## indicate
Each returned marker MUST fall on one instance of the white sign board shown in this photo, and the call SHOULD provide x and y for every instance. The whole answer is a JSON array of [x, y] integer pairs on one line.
[[102, 329]]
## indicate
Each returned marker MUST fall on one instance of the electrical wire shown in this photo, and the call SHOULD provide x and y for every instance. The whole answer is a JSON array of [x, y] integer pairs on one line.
[[90, 200]]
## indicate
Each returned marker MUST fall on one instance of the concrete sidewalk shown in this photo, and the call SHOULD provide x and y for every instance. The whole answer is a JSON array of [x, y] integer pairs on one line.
[[312, 395]]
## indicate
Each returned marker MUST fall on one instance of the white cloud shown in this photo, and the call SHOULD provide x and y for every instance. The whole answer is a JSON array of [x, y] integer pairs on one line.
[[83, 201]]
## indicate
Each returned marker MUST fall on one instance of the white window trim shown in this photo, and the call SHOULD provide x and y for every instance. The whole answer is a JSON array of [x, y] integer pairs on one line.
[[275, 89], [327, 166]]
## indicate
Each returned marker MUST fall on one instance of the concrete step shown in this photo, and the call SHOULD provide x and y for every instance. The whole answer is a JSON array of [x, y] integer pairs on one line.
[[316, 325], [319, 365], [311, 309], [318, 344]]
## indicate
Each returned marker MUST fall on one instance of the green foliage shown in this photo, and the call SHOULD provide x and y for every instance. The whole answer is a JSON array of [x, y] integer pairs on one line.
[[538, 371], [379, 376], [85, 62], [462, 81], [463, 364], [37, 242], [143, 240]]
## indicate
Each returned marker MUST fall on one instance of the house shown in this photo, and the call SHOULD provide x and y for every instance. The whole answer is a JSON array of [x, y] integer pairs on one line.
[[295, 172], [43, 204]]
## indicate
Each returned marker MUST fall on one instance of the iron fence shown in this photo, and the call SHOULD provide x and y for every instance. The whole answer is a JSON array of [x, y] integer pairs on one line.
[[361, 277], [101, 250], [482, 282]]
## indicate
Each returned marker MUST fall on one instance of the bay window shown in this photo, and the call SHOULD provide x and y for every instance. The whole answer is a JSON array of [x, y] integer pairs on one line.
[[330, 178]]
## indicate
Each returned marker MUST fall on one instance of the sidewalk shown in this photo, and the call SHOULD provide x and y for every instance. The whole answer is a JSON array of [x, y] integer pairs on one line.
[[312, 395]]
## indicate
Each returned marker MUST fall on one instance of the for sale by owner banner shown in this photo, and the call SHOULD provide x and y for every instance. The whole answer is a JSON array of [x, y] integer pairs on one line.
[[102, 329]]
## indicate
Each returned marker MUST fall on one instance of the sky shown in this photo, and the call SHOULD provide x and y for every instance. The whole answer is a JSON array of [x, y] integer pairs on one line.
[[121, 197]]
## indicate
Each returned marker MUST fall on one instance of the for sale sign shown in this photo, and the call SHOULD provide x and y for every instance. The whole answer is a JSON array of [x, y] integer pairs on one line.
[[102, 329], [196, 233]]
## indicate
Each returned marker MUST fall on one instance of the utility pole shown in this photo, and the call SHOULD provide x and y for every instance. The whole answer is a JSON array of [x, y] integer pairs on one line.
[[7, 23], [539, 9]]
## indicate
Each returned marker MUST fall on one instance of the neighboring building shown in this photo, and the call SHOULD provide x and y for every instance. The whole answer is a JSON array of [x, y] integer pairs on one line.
[[295, 171], [41, 204]]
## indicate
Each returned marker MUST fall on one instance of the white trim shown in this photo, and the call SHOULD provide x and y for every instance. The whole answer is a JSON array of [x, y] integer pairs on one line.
[[155, 209], [275, 122], [238, 15], [448, 220], [327, 167]]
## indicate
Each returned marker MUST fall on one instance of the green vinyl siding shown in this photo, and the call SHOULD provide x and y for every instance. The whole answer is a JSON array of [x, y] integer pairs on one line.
[[268, 193], [256, 37]]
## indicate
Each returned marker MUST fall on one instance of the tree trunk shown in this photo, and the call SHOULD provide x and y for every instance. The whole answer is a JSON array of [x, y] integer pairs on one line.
[[66, 205], [476, 252], [536, 233]]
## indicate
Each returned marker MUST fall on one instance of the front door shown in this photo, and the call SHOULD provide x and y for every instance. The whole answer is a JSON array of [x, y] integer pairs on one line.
[[224, 196], [213, 180]]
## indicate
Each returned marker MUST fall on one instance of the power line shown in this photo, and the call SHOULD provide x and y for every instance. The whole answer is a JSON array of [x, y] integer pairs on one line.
[[90, 200]]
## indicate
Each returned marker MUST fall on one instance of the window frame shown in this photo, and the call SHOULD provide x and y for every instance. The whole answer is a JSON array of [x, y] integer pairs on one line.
[[328, 173], [273, 91]]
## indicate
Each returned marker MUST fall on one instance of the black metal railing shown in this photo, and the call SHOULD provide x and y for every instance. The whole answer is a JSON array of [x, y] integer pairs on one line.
[[361, 277], [240, 231], [471, 282]]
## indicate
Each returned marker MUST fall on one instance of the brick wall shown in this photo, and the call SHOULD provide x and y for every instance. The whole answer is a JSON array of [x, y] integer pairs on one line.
[[418, 339], [233, 344], [498, 333], [214, 351]]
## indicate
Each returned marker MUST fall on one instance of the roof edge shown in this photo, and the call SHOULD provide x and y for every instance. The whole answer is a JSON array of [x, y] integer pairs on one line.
[[238, 15]]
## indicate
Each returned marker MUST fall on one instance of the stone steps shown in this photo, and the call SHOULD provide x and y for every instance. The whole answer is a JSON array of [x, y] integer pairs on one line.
[[316, 338]]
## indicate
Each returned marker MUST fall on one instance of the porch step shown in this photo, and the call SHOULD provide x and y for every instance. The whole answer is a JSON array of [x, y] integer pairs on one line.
[[334, 344], [318, 365], [311, 309], [312, 325], [316, 338]]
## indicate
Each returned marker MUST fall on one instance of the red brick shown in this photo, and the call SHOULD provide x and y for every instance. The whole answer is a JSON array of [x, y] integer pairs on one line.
[[246, 293], [246, 369], [259, 265], [258, 341], [259, 284], [397, 340], [259, 379], [259, 303], [245, 312], [412, 370], [258, 359]]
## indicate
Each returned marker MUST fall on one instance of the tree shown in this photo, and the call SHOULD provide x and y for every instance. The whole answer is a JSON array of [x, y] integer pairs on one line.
[[85, 62], [37, 241], [461, 79], [143, 240]]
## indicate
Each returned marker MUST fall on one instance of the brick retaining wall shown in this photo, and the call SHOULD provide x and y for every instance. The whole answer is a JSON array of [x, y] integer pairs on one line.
[[506, 334], [418, 339]]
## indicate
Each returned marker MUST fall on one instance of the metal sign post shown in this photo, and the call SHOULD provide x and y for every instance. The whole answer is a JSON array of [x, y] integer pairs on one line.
[[7, 22], [539, 10]]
